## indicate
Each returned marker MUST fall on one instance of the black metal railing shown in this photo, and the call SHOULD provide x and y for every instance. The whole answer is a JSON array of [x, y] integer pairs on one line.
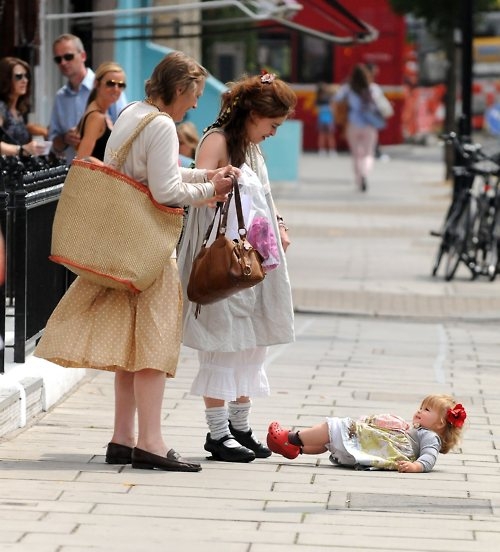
[[29, 192]]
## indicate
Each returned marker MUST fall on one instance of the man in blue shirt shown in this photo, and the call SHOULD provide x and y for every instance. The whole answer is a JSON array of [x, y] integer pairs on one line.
[[71, 99]]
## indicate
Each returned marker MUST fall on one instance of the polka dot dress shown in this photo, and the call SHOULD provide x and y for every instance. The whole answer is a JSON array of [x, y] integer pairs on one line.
[[108, 329]]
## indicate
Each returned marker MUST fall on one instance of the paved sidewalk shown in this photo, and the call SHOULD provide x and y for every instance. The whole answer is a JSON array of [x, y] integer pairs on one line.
[[374, 333], [372, 253]]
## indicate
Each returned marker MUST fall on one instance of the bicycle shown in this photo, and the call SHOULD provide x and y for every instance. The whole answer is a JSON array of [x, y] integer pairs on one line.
[[485, 228], [471, 231]]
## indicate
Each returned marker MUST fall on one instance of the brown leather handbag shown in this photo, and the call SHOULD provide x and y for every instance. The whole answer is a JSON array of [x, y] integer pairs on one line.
[[226, 266]]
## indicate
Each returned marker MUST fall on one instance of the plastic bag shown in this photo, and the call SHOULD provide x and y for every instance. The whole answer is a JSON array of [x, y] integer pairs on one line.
[[258, 219]]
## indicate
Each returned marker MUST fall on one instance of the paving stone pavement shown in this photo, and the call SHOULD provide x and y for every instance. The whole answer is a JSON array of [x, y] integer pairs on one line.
[[374, 333]]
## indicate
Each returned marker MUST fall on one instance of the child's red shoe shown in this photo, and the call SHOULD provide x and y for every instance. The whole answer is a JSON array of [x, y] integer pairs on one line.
[[277, 441]]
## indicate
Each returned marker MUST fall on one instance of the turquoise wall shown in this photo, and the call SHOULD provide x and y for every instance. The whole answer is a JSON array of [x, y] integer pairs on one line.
[[282, 152]]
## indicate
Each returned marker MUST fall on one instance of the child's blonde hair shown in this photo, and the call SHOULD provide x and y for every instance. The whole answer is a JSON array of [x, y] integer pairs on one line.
[[452, 432], [188, 134]]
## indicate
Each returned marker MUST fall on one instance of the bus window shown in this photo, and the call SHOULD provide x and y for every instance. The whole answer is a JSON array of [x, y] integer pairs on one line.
[[274, 54], [315, 64]]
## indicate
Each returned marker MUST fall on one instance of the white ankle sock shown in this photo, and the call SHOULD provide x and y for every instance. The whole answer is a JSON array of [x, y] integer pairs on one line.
[[217, 421], [239, 414]]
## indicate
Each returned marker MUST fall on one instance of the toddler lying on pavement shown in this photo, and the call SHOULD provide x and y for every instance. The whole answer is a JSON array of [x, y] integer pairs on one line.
[[383, 441]]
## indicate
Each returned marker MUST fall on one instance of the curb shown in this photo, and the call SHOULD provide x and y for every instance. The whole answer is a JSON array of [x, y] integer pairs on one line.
[[29, 389]]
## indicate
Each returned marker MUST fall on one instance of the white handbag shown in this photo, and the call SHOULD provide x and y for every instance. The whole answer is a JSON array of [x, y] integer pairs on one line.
[[383, 105]]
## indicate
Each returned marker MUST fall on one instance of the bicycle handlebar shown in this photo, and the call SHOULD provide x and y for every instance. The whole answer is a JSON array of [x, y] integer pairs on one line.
[[473, 153]]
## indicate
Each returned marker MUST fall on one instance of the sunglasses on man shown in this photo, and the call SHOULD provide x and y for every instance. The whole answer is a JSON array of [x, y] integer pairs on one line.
[[66, 57]]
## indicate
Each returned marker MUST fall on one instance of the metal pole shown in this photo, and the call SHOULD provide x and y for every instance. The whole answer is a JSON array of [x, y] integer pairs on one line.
[[467, 36]]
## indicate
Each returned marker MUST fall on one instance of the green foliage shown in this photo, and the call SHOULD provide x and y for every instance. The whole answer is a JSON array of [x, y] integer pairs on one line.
[[440, 15]]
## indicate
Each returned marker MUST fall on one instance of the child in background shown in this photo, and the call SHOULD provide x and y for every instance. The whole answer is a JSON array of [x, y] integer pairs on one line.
[[188, 141], [380, 441], [326, 120]]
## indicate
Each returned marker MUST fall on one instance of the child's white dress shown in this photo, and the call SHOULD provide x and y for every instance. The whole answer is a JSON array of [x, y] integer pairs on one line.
[[379, 442]]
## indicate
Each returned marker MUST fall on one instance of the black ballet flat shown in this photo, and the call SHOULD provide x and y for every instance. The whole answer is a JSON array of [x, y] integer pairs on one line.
[[118, 454], [227, 454], [173, 461], [247, 439]]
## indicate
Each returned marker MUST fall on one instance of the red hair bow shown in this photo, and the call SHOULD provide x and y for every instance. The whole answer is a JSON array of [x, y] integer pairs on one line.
[[456, 416]]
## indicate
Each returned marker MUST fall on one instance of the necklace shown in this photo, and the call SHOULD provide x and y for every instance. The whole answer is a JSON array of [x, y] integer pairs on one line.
[[150, 102], [252, 152]]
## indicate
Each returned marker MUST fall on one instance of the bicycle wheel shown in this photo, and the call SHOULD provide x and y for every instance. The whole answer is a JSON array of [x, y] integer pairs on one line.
[[491, 252], [438, 257], [459, 241], [492, 261], [451, 215]]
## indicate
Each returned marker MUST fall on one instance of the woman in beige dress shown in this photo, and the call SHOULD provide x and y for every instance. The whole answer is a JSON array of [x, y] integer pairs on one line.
[[138, 335]]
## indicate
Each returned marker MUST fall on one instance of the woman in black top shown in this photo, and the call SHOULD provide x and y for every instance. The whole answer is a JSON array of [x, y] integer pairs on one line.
[[95, 125], [15, 135]]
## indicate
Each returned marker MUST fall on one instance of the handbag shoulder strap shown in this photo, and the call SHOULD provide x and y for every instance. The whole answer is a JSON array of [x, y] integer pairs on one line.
[[121, 154], [211, 225], [242, 231], [223, 210]]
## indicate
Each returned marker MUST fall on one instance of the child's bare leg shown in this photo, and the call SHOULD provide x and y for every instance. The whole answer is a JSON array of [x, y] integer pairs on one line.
[[314, 439]]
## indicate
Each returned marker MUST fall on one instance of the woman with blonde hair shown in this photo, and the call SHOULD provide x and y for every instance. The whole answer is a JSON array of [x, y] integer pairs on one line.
[[95, 126], [188, 141]]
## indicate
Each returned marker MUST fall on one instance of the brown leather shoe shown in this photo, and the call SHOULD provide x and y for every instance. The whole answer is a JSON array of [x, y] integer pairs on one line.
[[118, 454], [173, 461]]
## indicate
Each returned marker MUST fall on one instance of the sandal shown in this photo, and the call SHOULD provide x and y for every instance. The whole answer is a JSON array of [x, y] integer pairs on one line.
[[277, 441]]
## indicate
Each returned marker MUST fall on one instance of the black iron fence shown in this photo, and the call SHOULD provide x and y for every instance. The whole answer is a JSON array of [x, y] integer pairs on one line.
[[29, 192]]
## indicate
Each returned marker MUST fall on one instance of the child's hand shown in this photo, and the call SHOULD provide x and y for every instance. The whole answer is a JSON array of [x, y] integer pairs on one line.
[[409, 467]]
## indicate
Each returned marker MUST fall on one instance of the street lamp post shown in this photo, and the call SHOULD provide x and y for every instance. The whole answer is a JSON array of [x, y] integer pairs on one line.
[[465, 124]]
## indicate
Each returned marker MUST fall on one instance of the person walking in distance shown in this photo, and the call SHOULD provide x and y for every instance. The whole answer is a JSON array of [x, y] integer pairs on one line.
[[363, 122]]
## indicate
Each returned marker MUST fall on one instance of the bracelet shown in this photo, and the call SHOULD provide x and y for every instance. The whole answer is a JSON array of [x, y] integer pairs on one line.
[[281, 223]]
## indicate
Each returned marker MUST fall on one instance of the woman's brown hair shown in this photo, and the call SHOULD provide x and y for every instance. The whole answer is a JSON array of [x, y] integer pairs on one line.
[[263, 95], [360, 81], [175, 70], [7, 65]]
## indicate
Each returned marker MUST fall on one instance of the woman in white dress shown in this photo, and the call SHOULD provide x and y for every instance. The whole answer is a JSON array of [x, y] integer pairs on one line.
[[232, 335]]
